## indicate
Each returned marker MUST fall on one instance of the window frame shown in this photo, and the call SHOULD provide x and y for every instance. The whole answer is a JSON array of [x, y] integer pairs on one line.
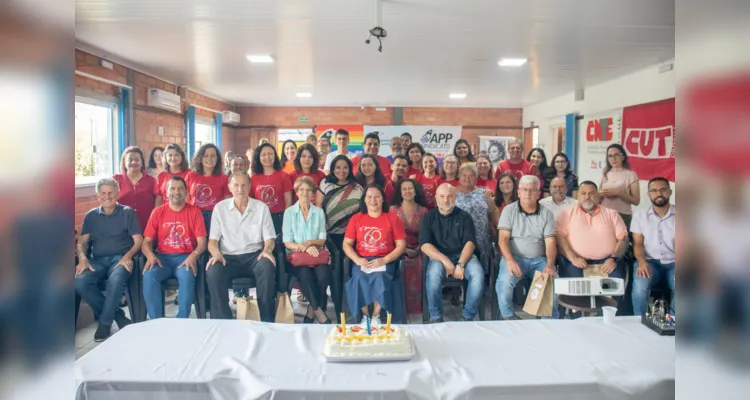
[[113, 124]]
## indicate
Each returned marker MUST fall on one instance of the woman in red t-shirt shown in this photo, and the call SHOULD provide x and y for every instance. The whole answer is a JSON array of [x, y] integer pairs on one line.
[[429, 178], [449, 172], [270, 184], [306, 163], [176, 164], [369, 173], [207, 184], [486, 174], [374, 240], [137, 188], [414, 153]]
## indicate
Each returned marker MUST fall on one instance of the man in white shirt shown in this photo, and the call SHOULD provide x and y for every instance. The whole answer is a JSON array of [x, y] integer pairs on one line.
[[653, 232], [342, 147], [558, 201], [241, 244]]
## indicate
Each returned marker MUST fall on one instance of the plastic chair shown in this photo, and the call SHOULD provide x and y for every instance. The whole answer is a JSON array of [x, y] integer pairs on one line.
[[398, 280]]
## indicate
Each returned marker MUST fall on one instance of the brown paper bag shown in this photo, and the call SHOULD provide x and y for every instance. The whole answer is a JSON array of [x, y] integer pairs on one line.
[[284, 310], [539, 299], [594, 270], [247, 309]]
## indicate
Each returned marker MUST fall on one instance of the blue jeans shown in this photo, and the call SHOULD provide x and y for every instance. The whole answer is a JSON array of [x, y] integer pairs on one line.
[[153, 293], [642, 286], [506, 283], [473, 272], [87, 285]]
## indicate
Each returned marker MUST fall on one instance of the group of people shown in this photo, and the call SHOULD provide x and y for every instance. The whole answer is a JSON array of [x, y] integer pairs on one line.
[[312, 202]]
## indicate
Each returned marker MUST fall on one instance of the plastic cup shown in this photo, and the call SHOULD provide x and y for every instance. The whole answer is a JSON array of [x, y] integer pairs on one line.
[[609, 314]]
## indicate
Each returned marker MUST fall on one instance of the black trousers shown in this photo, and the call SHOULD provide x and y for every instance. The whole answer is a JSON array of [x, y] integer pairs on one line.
[[219, 278], [313, 283]]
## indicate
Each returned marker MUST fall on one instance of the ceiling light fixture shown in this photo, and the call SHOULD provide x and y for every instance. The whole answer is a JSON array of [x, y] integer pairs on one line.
[[260, 58], [458, 95], [304, 94], [512, 62]]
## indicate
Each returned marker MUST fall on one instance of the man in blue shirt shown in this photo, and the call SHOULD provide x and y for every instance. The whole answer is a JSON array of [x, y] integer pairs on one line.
[[109, 239]]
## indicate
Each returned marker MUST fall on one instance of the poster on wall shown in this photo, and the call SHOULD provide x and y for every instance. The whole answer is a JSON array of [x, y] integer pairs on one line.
[[386, 133], [438, 140], [496, 147], [649, 139], [598, 131], [356, 136]]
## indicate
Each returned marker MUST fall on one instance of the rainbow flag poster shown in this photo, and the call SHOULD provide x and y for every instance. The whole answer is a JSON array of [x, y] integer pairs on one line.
[[356, 136]]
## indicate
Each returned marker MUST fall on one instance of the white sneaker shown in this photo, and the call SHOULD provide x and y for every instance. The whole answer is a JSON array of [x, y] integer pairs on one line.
[[375, 321]]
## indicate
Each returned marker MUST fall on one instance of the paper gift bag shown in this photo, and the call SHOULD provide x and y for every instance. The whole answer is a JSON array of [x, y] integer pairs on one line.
[[247, 309], [594, 270], [539, 299], [284, 310]]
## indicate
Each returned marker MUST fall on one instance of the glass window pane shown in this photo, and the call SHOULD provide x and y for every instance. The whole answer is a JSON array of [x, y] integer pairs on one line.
[[204, 133], [94, 141]]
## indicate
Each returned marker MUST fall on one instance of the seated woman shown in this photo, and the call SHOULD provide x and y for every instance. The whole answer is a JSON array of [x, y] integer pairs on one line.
[[481, 207], [410, 205], [374, 238], [304, 230]]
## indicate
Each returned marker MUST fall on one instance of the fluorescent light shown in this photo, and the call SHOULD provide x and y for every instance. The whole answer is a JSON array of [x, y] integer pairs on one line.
[[304, 94], [458, 95], [512, 62], [260, 58]]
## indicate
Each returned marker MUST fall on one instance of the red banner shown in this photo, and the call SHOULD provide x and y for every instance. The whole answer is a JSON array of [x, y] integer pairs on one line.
[[648, 136]]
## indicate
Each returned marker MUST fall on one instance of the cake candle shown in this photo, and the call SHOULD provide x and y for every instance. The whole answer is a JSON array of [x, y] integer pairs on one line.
[[368, 325], [388, 325], [343, 324]]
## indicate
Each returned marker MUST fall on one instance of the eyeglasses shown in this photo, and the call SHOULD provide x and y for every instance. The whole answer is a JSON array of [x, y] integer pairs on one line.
[[660, 191], [450, 162], [614, 155], [529, 191]]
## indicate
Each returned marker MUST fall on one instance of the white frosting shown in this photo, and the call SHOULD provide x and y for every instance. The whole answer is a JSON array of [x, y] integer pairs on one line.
[[358, 344]]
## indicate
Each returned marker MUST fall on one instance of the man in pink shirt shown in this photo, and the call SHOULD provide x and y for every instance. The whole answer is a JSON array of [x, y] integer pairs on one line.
[[589, 234], [515, 163]]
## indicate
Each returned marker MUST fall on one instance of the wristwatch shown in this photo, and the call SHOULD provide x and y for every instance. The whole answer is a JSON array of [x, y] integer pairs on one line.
[[460, 265]]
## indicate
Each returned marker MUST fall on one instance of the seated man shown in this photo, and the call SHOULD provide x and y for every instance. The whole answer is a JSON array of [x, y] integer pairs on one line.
[[178, 229], [241, 244], [448, 238], [399, 169], [589, 234], [558, 199], [653, 244], [109, 239], [526, 236]]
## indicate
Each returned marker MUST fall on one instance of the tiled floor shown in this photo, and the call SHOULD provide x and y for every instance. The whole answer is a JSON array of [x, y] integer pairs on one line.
[[85, 336]]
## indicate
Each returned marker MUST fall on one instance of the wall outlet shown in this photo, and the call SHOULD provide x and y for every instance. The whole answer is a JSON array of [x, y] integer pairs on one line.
[[161, 131]]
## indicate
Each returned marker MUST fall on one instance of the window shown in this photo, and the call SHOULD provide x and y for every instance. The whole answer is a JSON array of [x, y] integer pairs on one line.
[[535, 136], [96, 147], [205, 132]]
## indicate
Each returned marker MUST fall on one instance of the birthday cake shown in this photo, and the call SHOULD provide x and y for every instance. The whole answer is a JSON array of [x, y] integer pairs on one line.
[[356, 342]]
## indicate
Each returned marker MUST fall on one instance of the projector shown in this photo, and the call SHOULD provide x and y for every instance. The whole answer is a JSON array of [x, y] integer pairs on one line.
[[590, 286]]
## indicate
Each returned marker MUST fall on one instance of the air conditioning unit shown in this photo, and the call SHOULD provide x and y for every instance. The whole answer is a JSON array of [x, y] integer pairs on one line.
[[166, 101], [230, 117]]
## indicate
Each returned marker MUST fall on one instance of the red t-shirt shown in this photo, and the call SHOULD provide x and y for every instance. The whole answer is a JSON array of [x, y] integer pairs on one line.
[[486, 183], [519, 170], [206, 191], [389, 190], [455, 182], [175, 232], [163, 178], [270, 189], [430, 186], [375, 237], [412, 171], [316, 176], [384, 163], [140, 197]]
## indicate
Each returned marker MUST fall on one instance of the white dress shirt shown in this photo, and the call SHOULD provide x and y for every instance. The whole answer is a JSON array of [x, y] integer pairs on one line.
[[658, 233], [550, 204], [332, 155], [241, 233]]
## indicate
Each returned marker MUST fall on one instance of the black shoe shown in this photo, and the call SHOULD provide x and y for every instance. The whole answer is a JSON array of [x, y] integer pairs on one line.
[[121, 320], [308, 320], [102, 333], [513, 317], [436, 321]]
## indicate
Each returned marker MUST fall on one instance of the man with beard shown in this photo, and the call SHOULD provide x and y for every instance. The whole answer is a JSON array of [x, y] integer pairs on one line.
[[448, 238], [589, 234], [399, 168], [653, 232]]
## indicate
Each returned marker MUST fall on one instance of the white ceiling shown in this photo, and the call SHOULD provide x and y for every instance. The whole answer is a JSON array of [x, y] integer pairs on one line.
[[433, 48]]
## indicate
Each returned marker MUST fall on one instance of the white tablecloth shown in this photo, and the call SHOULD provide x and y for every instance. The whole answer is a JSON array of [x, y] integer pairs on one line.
[[532, 359]]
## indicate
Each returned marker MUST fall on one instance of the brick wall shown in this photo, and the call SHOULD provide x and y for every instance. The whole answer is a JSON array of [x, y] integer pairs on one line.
[[260, 122]]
